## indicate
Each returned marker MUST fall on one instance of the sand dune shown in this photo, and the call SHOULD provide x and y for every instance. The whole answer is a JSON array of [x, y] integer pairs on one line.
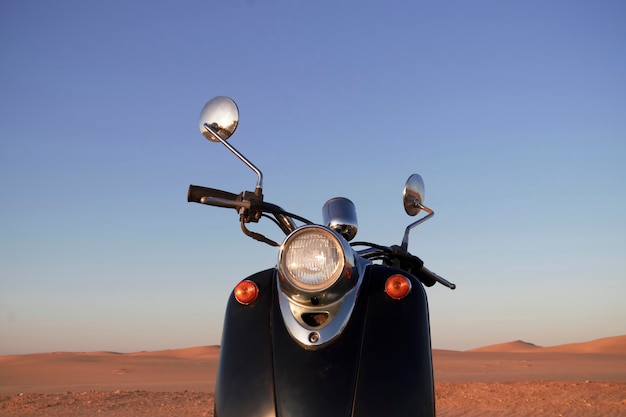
[[596, 360], [515, 346], [194, 368], [615, 345], [178, 369], [199, 352], [608, 346], [508, 379]]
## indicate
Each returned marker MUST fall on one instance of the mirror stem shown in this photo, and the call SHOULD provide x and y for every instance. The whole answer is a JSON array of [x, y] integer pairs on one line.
[[259, 183], [405, 239]]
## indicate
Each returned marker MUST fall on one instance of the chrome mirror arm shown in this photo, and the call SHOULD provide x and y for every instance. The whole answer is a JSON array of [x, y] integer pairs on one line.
[[259, 183], [405, 239]]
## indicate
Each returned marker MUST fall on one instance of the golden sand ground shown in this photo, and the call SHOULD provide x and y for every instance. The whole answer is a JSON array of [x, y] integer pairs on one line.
[[513, 379]]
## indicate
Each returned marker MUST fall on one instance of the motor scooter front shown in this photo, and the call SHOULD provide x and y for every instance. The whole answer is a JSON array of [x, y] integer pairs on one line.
[[330, 331]]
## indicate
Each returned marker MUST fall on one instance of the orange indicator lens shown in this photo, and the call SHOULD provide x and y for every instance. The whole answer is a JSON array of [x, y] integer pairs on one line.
[[246, 292], [397, 286]]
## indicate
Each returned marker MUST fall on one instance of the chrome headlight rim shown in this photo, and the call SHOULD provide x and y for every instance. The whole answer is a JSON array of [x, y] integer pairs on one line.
[[298, 236]]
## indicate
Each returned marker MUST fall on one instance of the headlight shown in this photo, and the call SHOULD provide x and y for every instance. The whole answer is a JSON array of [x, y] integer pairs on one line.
[[312, 259]]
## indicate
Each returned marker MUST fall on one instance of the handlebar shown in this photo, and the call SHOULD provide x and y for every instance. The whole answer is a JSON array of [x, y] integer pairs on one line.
[[416, 266], [430, 275], [401, 258], [217, 198], [254, 203], [196, 193], [251, 202]]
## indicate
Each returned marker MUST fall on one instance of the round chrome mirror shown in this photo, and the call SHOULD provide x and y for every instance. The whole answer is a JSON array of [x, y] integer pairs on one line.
[[222, 115], [413, 195]]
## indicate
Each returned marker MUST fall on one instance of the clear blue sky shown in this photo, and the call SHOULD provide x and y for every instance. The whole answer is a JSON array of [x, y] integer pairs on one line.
[[513, 112]]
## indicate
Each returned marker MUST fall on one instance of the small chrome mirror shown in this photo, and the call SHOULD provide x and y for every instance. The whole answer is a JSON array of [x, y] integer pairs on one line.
[[413, 195], [222, 115]]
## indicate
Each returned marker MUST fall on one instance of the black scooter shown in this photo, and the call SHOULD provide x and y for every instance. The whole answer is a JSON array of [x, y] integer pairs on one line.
[[331, 330]]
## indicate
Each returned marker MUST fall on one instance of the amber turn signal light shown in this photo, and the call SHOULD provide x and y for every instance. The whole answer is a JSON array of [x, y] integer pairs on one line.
[[246, 292], [397, 286]]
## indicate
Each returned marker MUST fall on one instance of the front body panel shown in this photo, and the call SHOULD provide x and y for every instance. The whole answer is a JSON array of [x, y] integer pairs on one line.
[[245, 375], [380, 365]]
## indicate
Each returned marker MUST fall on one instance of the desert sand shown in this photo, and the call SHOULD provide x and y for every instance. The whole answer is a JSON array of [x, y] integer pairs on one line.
[[510, 379]]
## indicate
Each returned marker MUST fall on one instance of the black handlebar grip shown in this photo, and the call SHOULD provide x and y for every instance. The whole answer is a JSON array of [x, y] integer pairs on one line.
[[425, 276], [196, 192], [432, 277]]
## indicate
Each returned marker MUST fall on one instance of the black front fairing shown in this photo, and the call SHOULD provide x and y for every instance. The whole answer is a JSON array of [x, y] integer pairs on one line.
[[380, 365]]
